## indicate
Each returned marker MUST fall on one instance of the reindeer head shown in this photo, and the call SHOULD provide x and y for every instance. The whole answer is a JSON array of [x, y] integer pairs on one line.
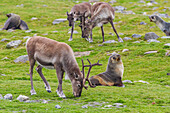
[[70, 18], [77, 82], [86, 28]]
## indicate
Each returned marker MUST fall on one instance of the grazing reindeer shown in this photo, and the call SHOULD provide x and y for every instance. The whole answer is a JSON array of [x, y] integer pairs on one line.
[[102, 14], [112, 76], [54, 55], [76, 11]]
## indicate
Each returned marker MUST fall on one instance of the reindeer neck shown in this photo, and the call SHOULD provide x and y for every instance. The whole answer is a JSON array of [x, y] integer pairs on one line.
[[95, 20]]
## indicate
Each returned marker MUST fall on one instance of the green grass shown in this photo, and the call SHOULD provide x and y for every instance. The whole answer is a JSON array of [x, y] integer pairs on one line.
[[138, 97]]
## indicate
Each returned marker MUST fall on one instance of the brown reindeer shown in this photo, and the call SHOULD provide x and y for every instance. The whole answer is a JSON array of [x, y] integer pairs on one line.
[[112, 76], [102, 14], [75, 14], [54, 55]]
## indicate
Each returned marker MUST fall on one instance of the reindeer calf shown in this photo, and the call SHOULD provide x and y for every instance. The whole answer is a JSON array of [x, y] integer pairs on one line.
[[54, 55], [76, 12]]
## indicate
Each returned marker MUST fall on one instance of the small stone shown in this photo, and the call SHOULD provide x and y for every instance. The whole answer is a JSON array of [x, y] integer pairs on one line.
[[142, 81], [153, 40], [127, 81], [5, 58], [111, 34], [1, 97], [57, 21], [44, 101], [127, 38], [31, 101], [23, 59], [85, 106], [44, 5], [79, 54], [13, 44], [8, 96], [120, 8], [121, 34], [168, 44], [22, 5], [100, 45], [144, 13], [154, 8], [108, 106], [112, 1], [143, 23], [28, 31], [57, 106], [4, 40], [74, 32], [136, 42], [26, 37], [22, 98], [3, 75], [119, 105], [151, 35], [136, 36], [149, 4], [149, 52], [141, 1], [45, 34], [125, 50], [10, 30], [34, 18], [165, 37], [55, 31], [110, 41]]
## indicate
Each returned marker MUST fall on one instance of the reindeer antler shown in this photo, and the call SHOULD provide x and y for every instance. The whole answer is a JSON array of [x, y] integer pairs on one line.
[[90, 66]]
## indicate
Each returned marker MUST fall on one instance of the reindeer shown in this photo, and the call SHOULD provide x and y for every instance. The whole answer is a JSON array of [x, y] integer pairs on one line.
[[75, 14], [54, 55], [111, 77], [102, 14]]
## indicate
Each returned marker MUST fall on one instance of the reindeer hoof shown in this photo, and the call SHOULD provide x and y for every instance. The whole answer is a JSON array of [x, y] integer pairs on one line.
[[70, 39], [61, 94], [49, 91], [120, 40], [33, 92]]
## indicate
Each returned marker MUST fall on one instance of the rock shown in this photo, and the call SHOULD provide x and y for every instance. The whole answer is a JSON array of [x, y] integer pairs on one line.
[[10, 30], [22, 5], [44, 5], [108, 106], [149, 52], [125, 50], [142, 81], [13, 44], [111, 34], [165, 37], [45, 34], [136, 42], [1, 97], [32, 101], [151, 35], [141, 1], [79, 54], [136, 36], [127, 81], [112, 1], [119, 105], [128, 12], [57, 21], [55, 31], [22, 98], [4, 40], [168, 44], [93, 0], [149, 4], [26, 37], [28, 31], [23, 59], [34, 18], [85, 106], [153, 40], [144, 13], [74, 32], [127, 38], [5, 58], [120, 8], [44, 101], [57, 106], [110, 41], [3, 75], [167, 53], [154, 8], [143, 23], [121, 34], [8, 96]]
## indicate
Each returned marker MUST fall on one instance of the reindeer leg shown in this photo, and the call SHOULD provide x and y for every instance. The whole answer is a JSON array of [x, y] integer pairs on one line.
[[119, 39], [102, 32], [72, 29], [60, 77], [32, 63], [91, 39], [47, 86]]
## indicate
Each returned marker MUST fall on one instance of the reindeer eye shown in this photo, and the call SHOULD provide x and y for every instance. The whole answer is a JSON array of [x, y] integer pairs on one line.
[[152, 17], [114, 57], [79, 85]]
